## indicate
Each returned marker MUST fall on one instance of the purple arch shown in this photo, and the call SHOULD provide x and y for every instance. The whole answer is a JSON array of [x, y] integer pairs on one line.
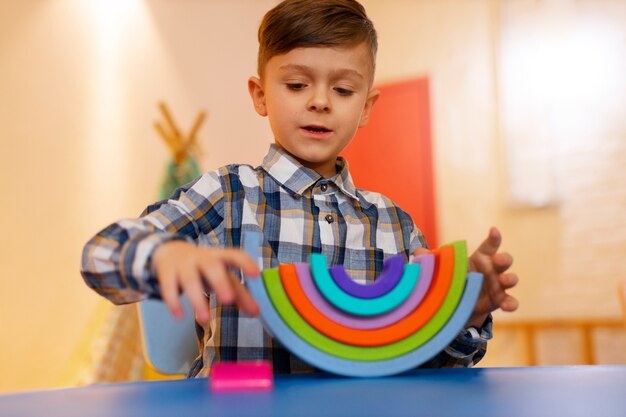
[[387, 280]]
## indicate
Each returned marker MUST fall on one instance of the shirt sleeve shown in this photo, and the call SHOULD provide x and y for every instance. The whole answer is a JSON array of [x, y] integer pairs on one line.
[[116, 262], [465, 351]]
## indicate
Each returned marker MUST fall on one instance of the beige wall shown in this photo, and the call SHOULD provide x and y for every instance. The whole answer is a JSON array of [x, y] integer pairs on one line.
[[569, 253], [459, 45], [79, 83]]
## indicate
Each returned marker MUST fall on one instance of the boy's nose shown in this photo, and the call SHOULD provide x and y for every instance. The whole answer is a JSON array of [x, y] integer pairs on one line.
[[319, 101]]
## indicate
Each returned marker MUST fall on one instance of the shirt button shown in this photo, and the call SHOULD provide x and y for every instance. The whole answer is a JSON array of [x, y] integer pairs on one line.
[[329, 218], [324, 187]]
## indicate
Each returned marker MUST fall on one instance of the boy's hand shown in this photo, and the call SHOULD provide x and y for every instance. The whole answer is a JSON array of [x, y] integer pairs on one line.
[[493, 265], [183, 266]]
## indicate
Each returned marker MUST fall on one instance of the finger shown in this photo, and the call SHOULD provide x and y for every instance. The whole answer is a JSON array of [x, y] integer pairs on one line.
[[508, 281], [241, 260], [191, 283], [243, 298], [421, 251], [492, 243], [169, 291], [502, 261], [215, 275], [509, 304]]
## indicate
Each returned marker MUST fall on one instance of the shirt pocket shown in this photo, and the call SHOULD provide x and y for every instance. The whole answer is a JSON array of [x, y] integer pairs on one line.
[[364, 264]]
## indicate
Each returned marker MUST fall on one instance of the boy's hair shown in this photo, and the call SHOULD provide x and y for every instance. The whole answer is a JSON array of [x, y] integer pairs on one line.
[[306, 23]]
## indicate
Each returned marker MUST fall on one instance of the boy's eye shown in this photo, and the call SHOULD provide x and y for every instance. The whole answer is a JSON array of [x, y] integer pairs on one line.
[[295, 86], [344, 91]]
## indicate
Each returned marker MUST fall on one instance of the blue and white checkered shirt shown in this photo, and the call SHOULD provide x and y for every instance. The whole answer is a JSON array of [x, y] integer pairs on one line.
[[297, 211]]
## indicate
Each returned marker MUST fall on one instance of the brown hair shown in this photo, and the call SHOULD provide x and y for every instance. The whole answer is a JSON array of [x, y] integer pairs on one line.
[[301, 23]]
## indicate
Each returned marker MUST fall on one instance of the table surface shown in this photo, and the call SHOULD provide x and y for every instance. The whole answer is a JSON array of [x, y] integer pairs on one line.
[[537, 391]]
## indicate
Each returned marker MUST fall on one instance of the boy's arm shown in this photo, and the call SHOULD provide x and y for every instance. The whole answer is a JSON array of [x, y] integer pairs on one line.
[[117, 262], [174, 247]]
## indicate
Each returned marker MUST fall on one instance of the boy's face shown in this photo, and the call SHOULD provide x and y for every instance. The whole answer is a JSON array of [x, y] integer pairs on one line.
[[316, 98]]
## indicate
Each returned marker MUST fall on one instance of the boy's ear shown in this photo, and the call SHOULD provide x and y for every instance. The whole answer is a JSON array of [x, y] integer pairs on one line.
[[255, 88], [372, 96]]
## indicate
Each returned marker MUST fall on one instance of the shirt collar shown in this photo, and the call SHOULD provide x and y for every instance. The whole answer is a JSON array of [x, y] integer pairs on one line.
[[297, 178], [343, 179]]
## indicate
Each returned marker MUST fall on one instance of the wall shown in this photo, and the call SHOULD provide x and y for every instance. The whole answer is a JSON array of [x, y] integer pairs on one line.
[[79, 83], [554, 67]]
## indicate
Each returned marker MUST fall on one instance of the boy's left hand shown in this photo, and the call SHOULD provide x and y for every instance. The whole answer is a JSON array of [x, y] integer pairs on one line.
[[493, 265]]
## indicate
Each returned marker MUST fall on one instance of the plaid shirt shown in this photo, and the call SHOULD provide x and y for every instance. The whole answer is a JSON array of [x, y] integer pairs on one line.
[[298, 211]]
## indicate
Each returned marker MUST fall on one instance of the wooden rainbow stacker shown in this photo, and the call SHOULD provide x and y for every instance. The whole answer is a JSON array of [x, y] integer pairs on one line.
[[411, 313]]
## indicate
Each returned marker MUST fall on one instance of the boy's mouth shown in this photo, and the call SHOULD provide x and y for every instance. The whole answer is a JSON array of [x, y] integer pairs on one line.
[[316, 129]]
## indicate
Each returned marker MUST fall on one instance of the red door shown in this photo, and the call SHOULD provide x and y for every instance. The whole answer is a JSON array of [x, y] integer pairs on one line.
[[392, 155]]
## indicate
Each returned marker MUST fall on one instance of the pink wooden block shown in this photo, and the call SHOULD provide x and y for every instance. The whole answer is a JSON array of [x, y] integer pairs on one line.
[[241, 376]]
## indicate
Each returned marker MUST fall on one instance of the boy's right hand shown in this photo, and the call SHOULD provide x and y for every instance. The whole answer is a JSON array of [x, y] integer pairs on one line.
[[183, 266]]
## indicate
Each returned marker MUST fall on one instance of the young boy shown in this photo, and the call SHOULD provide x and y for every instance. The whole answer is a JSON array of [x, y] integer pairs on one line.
[[316, 68]]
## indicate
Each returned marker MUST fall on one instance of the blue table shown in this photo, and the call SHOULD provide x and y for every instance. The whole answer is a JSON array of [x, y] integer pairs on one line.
[[587, 391]]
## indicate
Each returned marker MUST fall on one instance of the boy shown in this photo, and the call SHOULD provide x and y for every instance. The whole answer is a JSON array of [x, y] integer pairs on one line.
[[316, 68]]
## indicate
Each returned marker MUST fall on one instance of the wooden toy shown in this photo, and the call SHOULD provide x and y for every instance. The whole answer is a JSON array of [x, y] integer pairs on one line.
[[241, 376], [403, 344]]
